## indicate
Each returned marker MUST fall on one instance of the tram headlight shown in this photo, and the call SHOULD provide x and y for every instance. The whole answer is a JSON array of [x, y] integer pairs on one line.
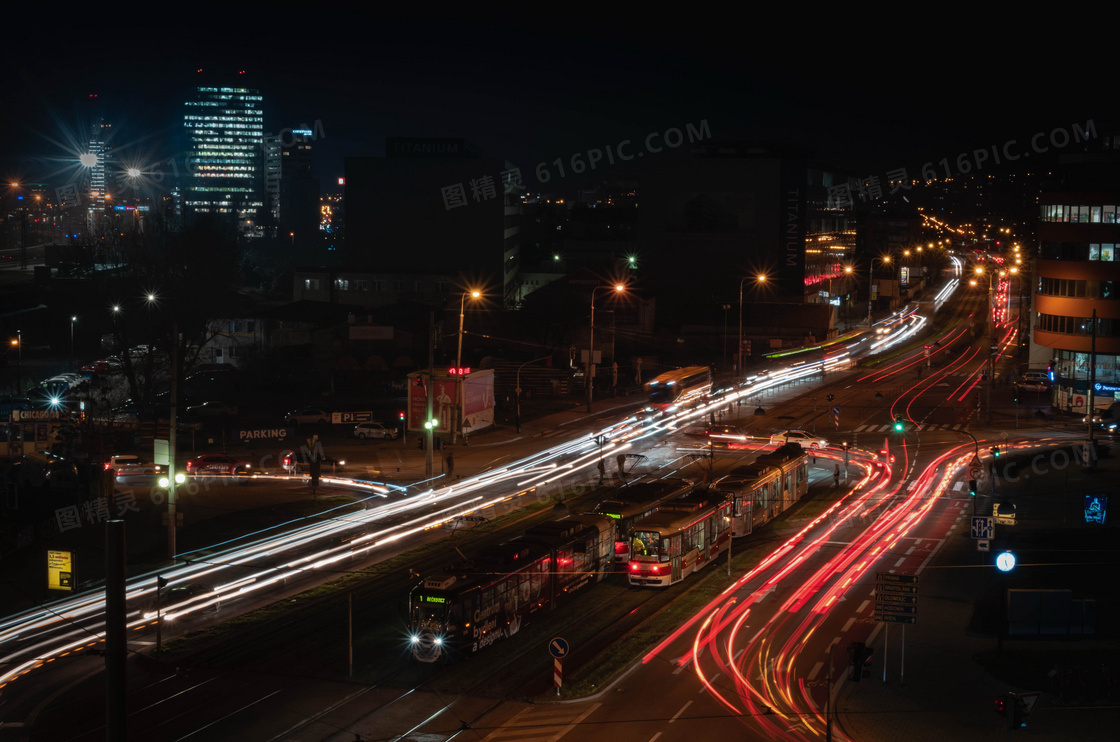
[[438, 641], [414, 639]]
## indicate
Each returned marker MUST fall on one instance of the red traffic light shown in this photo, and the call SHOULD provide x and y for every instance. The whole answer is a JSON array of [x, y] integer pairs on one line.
[[400, 415]]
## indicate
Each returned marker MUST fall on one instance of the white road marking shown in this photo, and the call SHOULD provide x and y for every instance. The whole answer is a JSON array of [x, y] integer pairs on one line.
[[678, 714]]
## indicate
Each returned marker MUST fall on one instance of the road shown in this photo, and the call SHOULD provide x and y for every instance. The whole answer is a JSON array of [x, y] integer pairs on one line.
[[758, 654]]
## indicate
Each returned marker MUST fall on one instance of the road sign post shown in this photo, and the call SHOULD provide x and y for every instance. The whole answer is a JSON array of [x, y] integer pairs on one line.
[[558, 648]]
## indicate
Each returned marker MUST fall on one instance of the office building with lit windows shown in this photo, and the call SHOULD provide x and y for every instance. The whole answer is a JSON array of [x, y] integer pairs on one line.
[[96, 161], [1078, 272], [224, 129]]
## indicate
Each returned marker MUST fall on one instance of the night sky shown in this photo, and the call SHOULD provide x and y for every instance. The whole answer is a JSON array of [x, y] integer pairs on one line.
[[531, 86]]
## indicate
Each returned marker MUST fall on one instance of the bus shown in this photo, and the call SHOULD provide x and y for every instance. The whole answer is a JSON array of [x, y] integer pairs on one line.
[[469, 607], [683, 537], [675, 389], [634, 502], [763, 489]]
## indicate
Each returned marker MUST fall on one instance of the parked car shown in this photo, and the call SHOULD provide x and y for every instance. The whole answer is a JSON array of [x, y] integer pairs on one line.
[[374, 430], [218, 463], [309, 416], [125, 464], [804, 437], [211, 410], [1105, 418]]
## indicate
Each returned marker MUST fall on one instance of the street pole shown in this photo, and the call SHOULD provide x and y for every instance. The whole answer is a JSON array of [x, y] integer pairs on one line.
[[431, 390], [171, 515], [19, 362], [587, 380], [870, 283], [72, 321], [590, 353], [991, 341], [739, 354], [1091, 456]]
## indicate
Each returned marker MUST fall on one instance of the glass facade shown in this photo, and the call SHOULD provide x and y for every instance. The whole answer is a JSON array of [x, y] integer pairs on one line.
[[225, 132]]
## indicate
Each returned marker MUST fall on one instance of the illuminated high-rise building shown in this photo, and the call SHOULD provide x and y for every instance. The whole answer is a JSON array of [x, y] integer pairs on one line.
[[225, 128], [96, 162]]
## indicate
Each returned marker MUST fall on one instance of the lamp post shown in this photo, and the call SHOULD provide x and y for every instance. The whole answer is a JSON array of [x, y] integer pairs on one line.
[[619, 288], [455, 424], [870, 281], [990, 320], [761, 278], [18, 342], [72, 321], [725, 308]]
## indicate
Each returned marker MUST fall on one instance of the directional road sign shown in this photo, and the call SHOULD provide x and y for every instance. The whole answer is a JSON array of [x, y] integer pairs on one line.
[[558, 648], [983, 527], [896, 598]]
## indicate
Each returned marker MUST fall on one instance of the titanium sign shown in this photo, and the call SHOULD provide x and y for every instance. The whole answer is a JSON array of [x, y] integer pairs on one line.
[[60, 570]]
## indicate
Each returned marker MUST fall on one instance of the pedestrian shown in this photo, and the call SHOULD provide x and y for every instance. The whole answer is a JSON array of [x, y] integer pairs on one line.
[[836, 476], [602, 470], [621, 459], [450, 464]]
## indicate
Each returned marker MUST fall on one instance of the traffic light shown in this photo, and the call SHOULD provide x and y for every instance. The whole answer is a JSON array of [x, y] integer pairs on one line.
[[1017, 713], [860, 661], [1015, 396], [1001, 705], [400, 416], [995, 452], [898, 425], [972, 488]]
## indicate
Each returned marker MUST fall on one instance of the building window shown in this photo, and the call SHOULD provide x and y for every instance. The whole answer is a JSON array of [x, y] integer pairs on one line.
[[342, 284], [380, 285], [361, 285], [400, 286], [311, 284]]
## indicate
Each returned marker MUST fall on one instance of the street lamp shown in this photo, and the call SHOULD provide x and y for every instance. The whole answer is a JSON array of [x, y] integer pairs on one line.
[[72, 321], [455, 425], [886, 259], [619, 288], [18, 342], [761, 278], [990, 321]]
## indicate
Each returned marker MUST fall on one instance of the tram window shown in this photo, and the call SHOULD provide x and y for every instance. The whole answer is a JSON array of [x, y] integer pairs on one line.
[[523, 587]]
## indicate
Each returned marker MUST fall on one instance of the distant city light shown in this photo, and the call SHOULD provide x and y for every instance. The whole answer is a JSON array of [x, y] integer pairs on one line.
[[88, 159]]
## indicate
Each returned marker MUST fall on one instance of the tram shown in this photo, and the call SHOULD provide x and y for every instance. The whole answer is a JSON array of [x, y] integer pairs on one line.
[[675, 389], [763, 489], [470, 606], [688, 533], [634, 502], [683, 537]]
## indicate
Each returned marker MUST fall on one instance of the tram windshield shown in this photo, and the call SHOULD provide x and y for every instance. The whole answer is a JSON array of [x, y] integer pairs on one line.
[[649, 544], [431, 607]]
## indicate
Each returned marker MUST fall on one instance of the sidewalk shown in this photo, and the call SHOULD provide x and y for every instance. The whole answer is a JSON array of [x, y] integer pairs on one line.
[[954, 670]]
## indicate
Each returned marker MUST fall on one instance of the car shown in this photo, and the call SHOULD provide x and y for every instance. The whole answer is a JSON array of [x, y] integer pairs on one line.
[[295, 464], [374, 430], [184, 597], [217, 463], [804, 437], [97, 367], [211, 410], [1105, 418], [309, 416], [126, 464], [1033, 386], [885, 456]]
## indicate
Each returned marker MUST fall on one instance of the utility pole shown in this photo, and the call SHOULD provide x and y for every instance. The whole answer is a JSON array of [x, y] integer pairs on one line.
[[431, 391]]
